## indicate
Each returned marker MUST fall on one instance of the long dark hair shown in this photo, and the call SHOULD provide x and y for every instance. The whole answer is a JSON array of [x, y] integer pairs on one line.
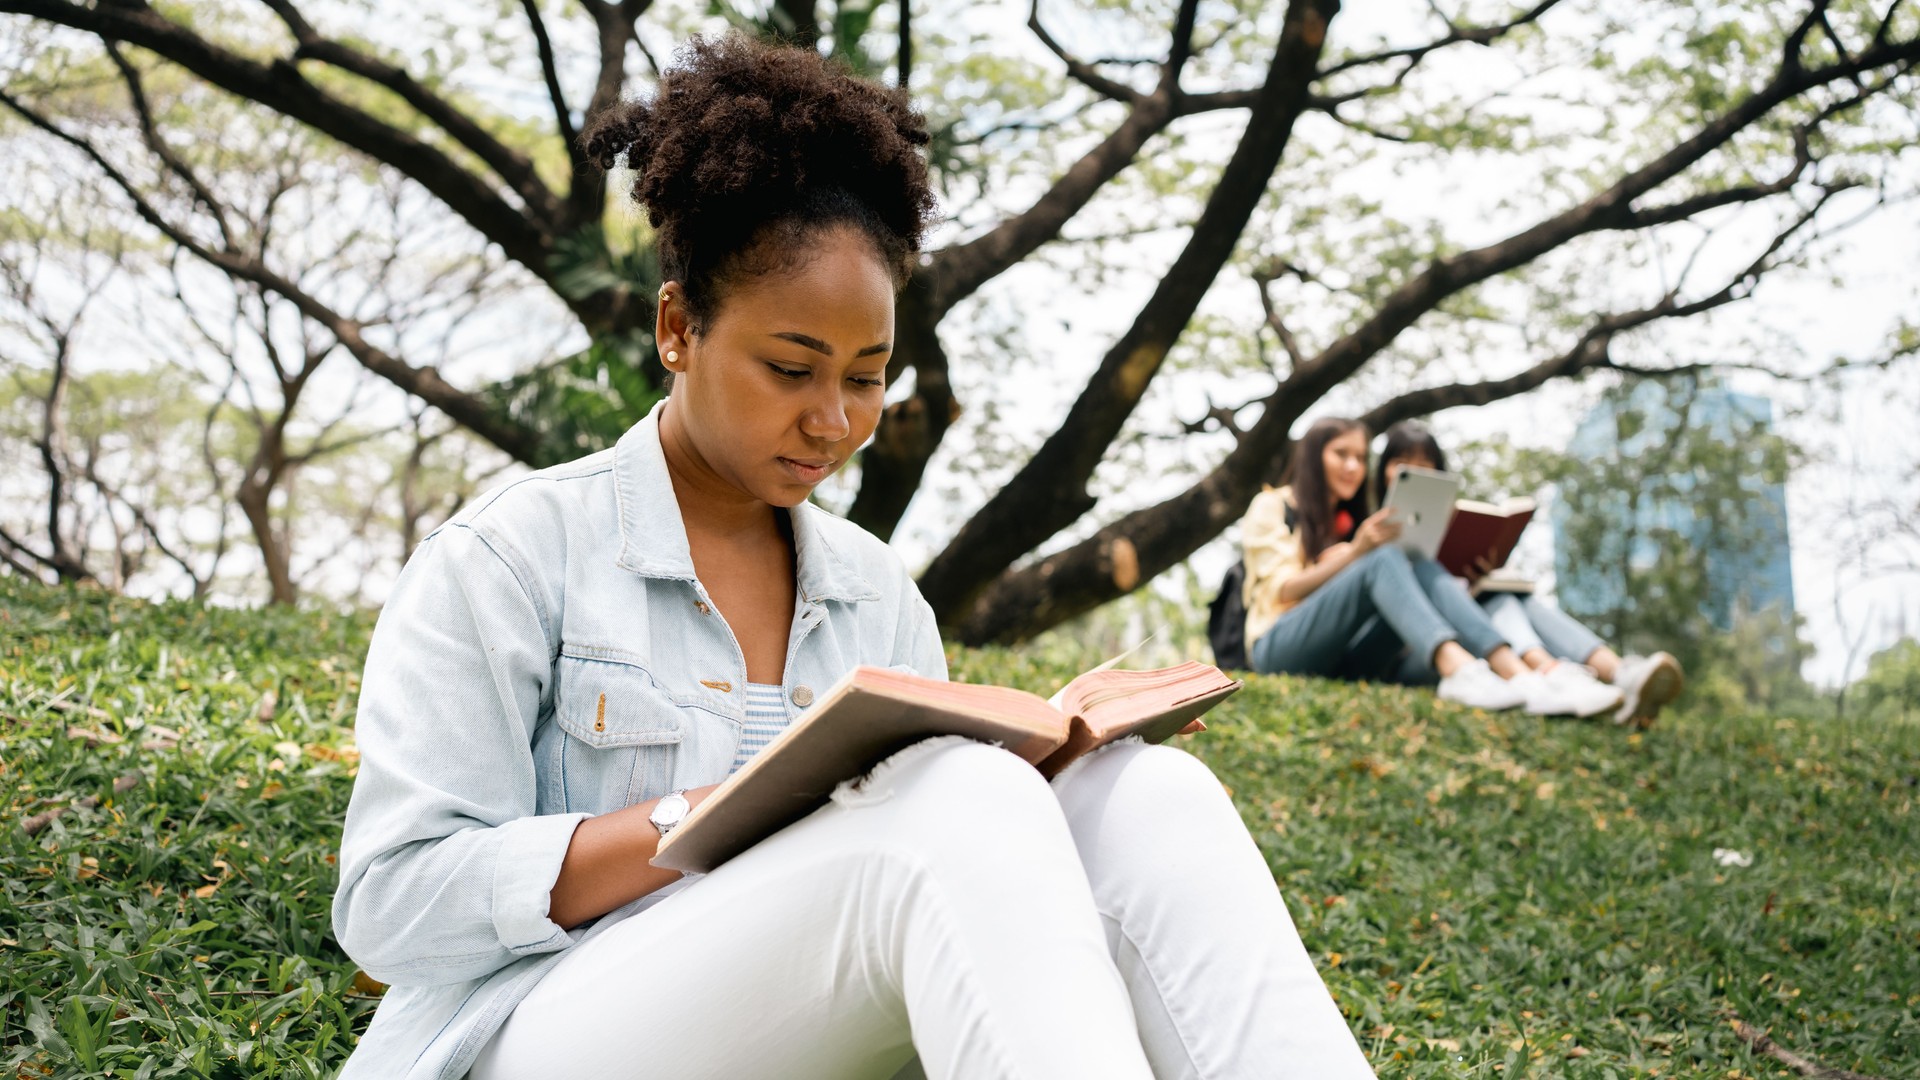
[[1315, 515], [1408, 438]]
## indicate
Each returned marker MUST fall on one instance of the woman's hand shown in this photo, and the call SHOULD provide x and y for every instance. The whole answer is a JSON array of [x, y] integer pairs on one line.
[[1379, 528], [1482, 566]]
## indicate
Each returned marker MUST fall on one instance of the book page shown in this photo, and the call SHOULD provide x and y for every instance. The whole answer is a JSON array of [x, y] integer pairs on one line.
[[868, 716], [1060, 694]]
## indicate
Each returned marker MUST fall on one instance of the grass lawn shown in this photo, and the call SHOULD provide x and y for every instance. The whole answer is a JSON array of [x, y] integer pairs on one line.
[[1486, 895]]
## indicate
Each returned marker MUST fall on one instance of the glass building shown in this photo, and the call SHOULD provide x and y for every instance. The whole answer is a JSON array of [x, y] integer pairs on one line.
[[1740, 546]]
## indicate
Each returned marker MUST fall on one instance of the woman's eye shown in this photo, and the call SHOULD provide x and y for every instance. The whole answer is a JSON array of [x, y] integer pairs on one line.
[[787, 372], [868, 381]]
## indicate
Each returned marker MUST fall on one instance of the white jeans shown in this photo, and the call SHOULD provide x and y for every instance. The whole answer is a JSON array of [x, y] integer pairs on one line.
[[1117, 925]]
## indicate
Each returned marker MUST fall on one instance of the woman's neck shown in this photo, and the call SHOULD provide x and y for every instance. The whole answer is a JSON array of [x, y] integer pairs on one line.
[[708, 504]]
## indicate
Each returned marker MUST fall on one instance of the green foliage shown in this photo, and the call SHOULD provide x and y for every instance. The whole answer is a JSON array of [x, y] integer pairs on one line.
[[1504, 895], [1756, 666], [178, 925], [1891, 687], [1646, 577], [585, 401], [1657, 529], [1486, 895]]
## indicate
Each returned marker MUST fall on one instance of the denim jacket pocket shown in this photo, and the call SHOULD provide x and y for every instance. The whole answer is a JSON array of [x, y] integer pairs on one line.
[[619, 732]]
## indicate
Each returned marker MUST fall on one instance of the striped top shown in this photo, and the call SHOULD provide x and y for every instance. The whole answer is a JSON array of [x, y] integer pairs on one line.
[[766, 718]]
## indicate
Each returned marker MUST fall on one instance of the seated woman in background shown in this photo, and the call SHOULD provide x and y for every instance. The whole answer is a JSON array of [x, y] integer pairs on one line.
[[1542, 634], [1328, 592]]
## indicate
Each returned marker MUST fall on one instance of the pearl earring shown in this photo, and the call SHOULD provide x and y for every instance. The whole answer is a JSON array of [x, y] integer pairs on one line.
[[672, 357]]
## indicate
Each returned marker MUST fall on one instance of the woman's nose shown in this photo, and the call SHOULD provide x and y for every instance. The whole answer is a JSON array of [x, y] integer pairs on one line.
[[826, 417]]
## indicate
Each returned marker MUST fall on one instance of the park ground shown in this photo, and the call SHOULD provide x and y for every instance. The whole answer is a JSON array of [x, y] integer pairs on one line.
[[1486, 895]]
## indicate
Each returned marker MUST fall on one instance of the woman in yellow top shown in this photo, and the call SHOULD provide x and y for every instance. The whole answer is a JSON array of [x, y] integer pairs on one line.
[[1321, 569]]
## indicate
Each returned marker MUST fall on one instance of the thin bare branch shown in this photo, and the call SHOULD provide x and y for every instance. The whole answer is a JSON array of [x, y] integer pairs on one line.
[[903, 62], [425, 383], [279, 84], [1886, 24], [1455, 35], [562, 117], [150, 134], [1182, 48], [1805, 1066], [512, 166], [1263, 282], [1080, 70]]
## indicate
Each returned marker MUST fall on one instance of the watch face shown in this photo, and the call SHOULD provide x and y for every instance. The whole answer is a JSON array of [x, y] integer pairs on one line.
[[669, 811]]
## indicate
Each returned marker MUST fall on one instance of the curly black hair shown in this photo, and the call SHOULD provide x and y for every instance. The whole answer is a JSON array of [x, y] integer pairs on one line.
[[748, 149]]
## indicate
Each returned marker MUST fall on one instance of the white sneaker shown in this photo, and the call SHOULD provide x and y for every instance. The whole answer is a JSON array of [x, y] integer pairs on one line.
[[1567, 689], [1475, 685], [1646, 683]]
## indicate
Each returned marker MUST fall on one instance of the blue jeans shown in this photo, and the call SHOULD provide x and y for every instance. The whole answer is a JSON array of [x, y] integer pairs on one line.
[[1531, 623], [1382, 617]]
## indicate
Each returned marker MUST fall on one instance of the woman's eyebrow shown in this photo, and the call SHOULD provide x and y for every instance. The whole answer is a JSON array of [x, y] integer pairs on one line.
[[825, 349]]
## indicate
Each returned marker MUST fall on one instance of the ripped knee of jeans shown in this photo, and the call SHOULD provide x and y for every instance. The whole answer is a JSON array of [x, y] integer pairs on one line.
[[876, 784]]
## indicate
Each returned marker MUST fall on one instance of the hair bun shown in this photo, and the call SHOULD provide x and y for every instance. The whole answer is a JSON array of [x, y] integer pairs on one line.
[[743, 136], [739, 125]]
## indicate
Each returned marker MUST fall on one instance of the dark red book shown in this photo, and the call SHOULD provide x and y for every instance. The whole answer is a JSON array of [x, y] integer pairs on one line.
[[1480, 529]]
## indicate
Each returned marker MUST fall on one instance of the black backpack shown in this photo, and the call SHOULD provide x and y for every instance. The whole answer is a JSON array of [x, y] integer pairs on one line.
[[1227, 621]]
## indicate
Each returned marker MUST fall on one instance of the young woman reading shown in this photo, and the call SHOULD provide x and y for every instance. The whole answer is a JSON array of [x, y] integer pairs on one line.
[[1549, 640], [1328, 592], [578, 657]]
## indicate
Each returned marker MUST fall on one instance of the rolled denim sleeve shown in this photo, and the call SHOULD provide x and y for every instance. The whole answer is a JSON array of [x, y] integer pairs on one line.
[[445, 869]]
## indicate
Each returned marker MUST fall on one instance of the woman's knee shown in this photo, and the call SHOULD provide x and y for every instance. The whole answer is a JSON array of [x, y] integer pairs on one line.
[[1383, 556], [1501, 604], [1136, 777], [955, 799]]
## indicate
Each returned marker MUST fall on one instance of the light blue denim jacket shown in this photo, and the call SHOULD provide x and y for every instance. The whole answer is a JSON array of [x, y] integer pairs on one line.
[[548, 655]]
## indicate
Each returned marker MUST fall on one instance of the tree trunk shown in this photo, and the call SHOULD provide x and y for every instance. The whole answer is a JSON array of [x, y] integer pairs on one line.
[[1050, 491], [255, 498], [66, 563], [893, 465]]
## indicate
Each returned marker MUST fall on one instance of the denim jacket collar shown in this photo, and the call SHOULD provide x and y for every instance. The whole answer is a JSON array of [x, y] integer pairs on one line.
[[653, 537]]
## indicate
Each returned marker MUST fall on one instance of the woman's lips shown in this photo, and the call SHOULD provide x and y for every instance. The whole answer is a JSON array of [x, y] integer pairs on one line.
[[807, 472]]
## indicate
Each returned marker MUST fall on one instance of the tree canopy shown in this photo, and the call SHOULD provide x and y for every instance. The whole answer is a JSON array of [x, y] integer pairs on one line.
[[1256, 198]]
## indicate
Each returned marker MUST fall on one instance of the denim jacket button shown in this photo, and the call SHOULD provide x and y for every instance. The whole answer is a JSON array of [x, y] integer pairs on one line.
[[802, 696]]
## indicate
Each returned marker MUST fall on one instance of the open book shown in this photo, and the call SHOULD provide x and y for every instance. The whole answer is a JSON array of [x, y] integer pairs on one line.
[[1482, 529], [1454, 532], [874, 712]]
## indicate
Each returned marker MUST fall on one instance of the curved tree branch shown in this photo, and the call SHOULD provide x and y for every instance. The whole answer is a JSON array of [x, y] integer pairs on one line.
[[423, 382], [511, 165], [150, 134], [1611, 209], [279, 85], [562, 116], [1023, 602], [1455, 35], [1049, 492], [1081, 71]]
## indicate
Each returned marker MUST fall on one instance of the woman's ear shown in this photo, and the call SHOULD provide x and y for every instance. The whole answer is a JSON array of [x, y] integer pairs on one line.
[[672, 327]]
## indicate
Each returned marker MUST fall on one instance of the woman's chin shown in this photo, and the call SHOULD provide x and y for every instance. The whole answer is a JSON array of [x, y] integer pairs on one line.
[[784, 492]]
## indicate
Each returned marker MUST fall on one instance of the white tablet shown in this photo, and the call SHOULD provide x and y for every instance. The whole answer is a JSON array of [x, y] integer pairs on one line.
[[1422, 501]]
